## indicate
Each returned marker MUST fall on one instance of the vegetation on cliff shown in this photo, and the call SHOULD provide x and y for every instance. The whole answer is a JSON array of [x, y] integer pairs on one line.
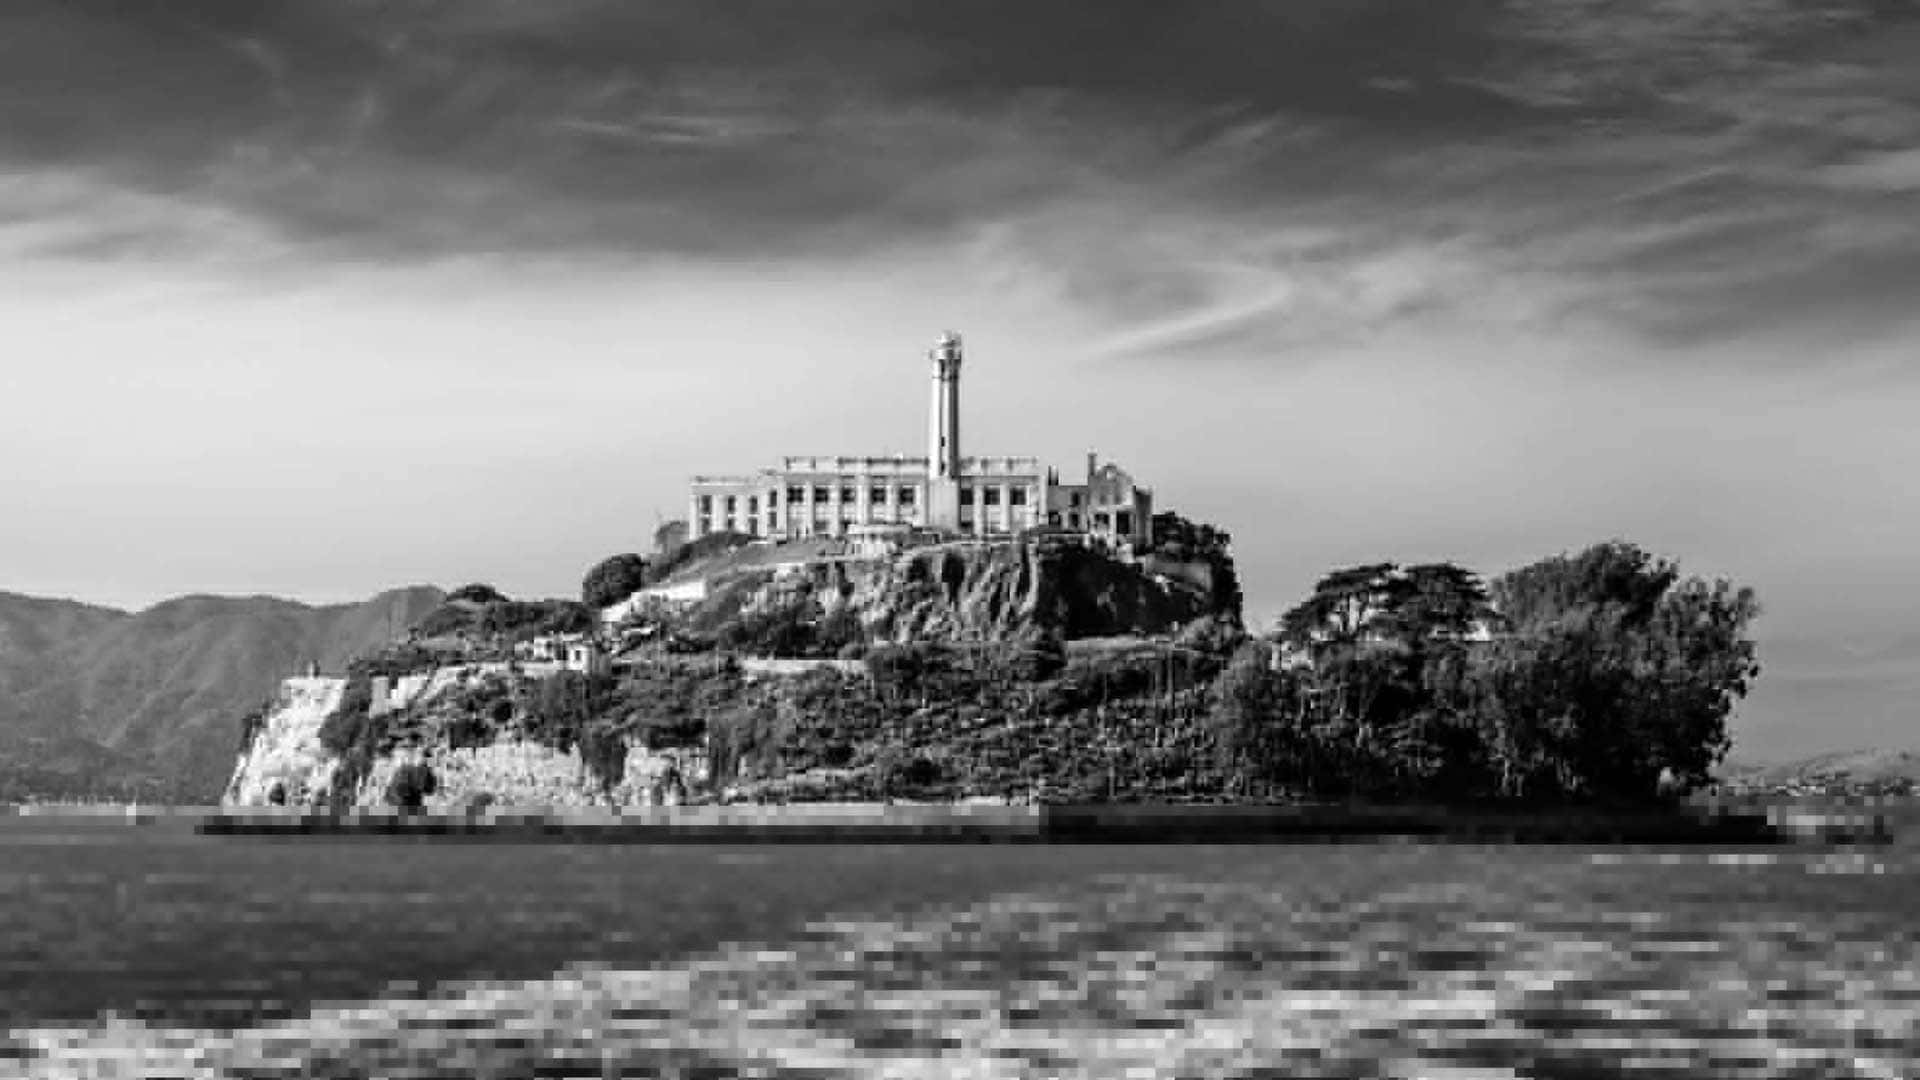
[[977, 671]]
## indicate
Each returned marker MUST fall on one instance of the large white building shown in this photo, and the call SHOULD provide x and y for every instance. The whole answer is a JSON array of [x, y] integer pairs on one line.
[[944, 491]]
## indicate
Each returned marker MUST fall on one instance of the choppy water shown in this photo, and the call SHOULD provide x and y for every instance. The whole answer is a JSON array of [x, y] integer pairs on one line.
[[1354, 960]]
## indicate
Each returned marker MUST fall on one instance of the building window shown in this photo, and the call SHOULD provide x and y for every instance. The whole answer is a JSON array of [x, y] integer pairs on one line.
[[877, 496], [1073, 499], [773, 520], [796, 494], [706, 504], [1123, 522], [991, 495], [753, 525], [1053, 517], [819, 493], [731, 507], [706, 525], [1017, 496], [1100, 520], [846, 496], [1073, 521], [907, 496]]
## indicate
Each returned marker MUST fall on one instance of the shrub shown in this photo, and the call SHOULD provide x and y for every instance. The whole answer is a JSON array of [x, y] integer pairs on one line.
[[613, 579], [410, 785]]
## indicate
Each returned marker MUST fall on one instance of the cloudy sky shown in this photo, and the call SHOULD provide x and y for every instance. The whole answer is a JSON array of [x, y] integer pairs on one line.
[[318, 298]]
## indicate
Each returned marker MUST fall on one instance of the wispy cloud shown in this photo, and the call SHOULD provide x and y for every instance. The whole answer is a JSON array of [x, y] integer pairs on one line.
[[1687, 170]]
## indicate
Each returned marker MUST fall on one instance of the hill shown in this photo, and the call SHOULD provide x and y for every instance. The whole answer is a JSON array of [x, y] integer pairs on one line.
[[107, 703], [1872, 767]]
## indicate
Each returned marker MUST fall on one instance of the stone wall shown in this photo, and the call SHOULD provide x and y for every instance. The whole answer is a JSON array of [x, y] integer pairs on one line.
[[528, 774]]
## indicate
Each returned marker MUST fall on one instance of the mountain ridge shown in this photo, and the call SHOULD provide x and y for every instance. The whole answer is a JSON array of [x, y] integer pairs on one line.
[[98, 701]]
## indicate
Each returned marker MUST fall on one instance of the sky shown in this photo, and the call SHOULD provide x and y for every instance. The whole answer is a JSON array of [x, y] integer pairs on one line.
[[320, 298]]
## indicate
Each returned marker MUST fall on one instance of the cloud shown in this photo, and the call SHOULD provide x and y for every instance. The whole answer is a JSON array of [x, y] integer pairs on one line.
[[1683, 170], [1890, 171]]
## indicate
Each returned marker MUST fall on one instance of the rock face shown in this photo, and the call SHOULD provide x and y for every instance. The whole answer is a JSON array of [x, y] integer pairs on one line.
[[285, 763], [974, 591]]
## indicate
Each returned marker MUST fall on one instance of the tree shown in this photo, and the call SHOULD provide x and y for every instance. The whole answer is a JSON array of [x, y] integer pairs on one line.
[[613, 579], [1379, 652], [1611, 670], [476, 593]]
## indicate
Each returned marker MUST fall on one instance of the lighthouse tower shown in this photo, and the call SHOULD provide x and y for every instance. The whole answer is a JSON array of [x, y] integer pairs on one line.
[[943, 436]]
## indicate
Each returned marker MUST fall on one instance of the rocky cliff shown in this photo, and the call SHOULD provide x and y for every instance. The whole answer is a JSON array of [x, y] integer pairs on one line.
[[521, 732], [975, 591], [286, 762]]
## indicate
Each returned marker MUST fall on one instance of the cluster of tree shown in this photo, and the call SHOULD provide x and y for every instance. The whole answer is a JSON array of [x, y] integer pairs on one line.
[[1602, 676], [613, 579], [501, 618], [617, 577]]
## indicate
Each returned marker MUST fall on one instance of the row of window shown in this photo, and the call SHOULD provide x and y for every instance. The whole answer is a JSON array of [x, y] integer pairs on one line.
[[822, 521], [985, 496]]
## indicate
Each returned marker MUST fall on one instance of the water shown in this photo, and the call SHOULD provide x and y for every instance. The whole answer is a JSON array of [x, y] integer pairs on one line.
[[149, 951]]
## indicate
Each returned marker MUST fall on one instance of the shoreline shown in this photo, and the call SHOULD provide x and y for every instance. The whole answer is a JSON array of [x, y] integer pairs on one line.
[[1066, 824], [1713, 821]]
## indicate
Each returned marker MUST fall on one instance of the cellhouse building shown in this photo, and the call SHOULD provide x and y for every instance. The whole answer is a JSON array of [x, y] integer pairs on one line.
[[945, 491]]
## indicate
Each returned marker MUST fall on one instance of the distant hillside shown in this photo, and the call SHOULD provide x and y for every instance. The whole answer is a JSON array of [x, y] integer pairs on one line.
[[95, 701], [1876, 765]]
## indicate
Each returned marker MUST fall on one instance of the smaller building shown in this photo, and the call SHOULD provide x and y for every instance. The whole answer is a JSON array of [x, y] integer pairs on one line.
[[588, 658], [572, 652], [1107, 505]]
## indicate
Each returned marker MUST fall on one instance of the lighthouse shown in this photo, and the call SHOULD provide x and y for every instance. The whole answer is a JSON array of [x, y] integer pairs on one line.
[[943, 435]]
